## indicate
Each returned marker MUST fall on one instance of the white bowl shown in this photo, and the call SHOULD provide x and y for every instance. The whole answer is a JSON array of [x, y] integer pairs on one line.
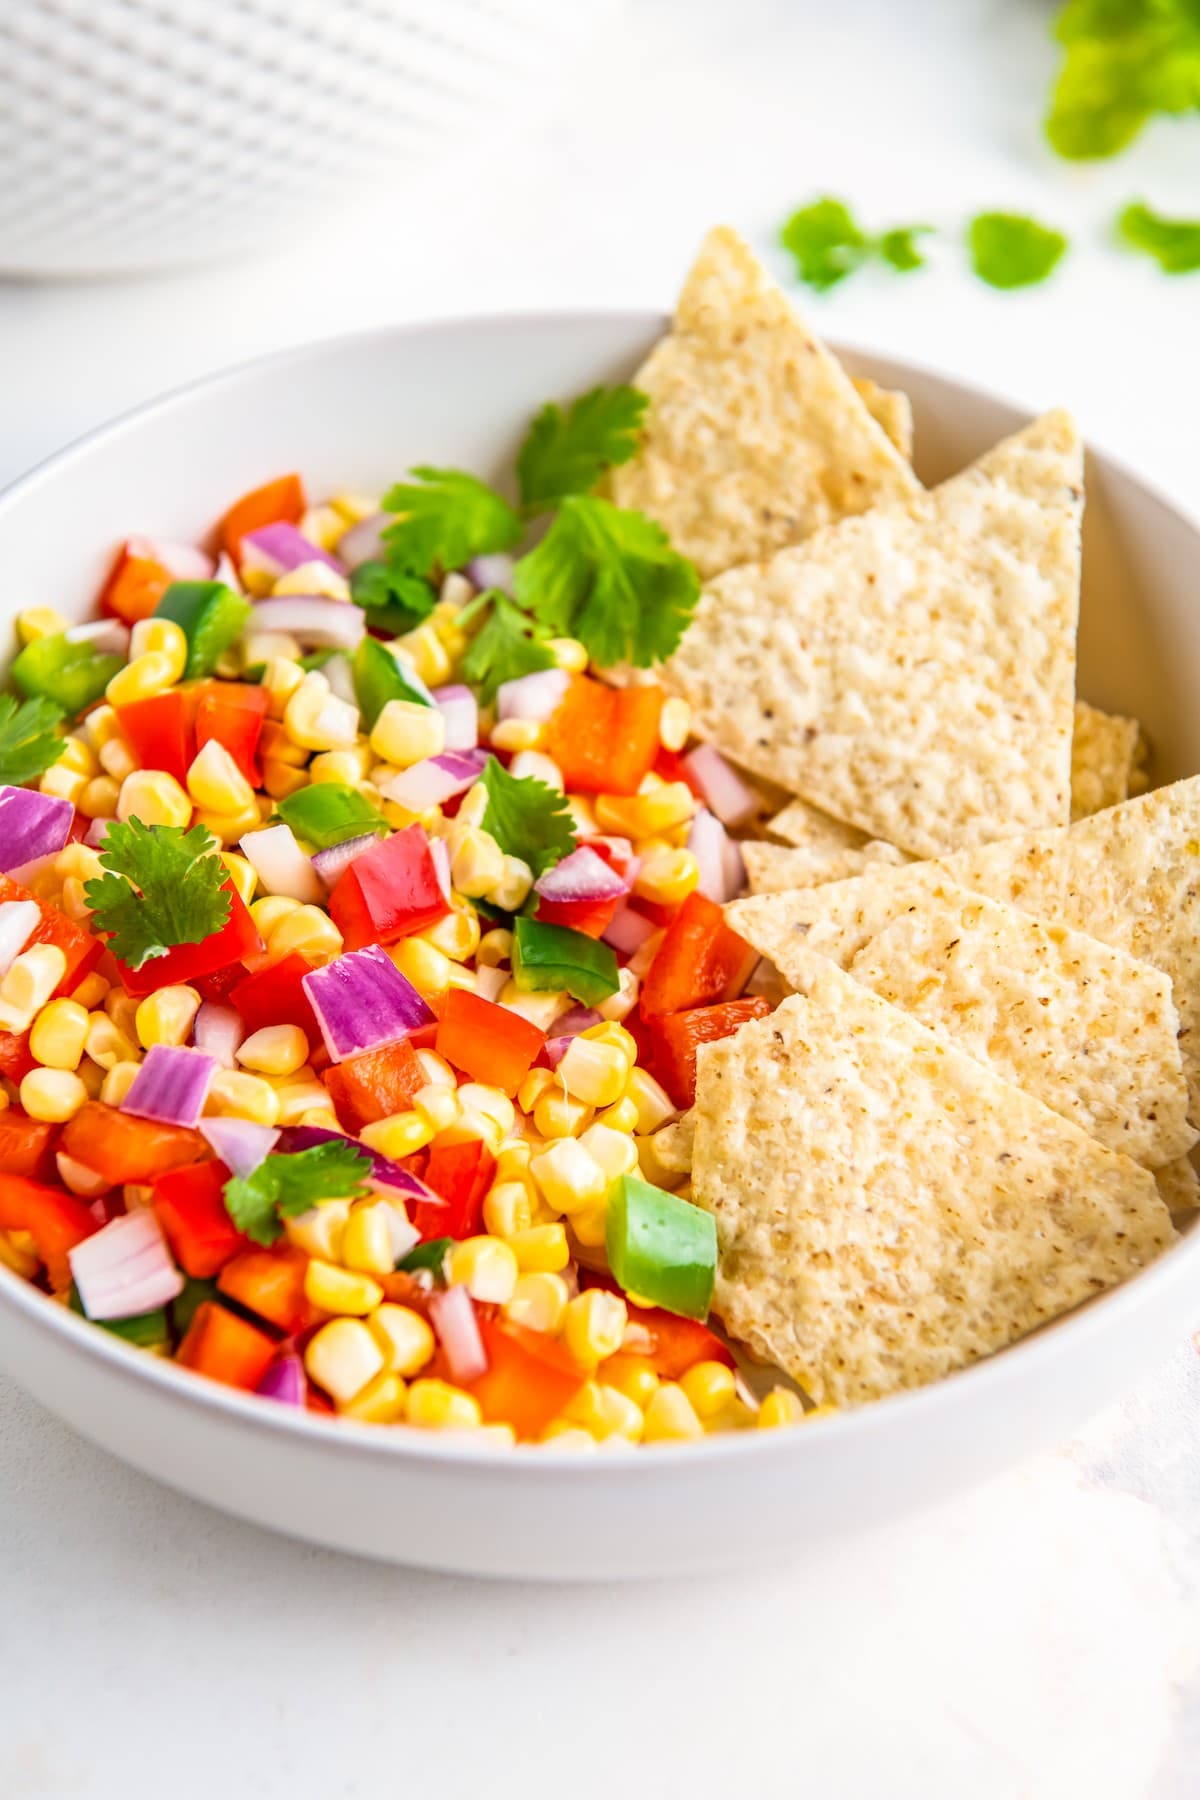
[[356, 413], [170, 131]]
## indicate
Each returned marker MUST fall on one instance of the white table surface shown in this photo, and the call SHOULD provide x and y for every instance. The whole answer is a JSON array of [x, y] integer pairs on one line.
[[1038, 1637]]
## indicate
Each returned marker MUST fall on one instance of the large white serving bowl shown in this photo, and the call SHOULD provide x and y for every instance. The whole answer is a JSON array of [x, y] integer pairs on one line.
[[356, 413]]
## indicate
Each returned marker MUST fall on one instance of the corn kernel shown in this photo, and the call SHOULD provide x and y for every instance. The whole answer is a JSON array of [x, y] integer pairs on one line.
[[315, 718], [354, 508], [117, 759], [667, 877], [91, 991], [58, 1034], [78, 756], [559, 1115], [398, 1136], [518, 734], [604, 1412], [308, 931], [274, 1050], [595, 1072], [533, 765], [275, 745], [99, 798], [495, 947], [512, 1159], [267, 913], [569, 654], [367, 1240], [561, 1434], [540, 1009], [32, 977], [280, 780], [538, 1302], [615, 1151], [342, 1357], [507, 1208], [216, 783], [437, 1104], [320, 1230], [589, 1227], [428, 969], [477, 1096], [62, 783], [163, 637], [670, 1416], [147, 675], [485, 1266], [621, 1117], [338, 1290], [347, 766], [476, 860], [405, 1338], [79, 860], [407, 732], [535, 1084], [619, 1005], [540, 1247], [633, 1376], [165, 1017], [17, 1253], [472, 808], [53, 1095], [153, 797], [381, 1402], [512, 889], [646, 814], [323, 525], [424, 651], [239, 1096], [74, 901], [39, 622], [92, 1076], [456, 934], [243, 875], [594, 1326], [569, 1179], [710, 1386], [227, 828], [438, 1406], [654, 1105], [107, 1044], [282, 677], [315, 577], [117, 1082], [470, 1125], [675, 723], [300, 1099], [781, 1407]]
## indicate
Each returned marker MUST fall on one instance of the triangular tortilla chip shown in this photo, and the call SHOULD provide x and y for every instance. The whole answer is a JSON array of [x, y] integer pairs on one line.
[[891, 410], [1105, 758], [888, 1209], [1178, 1186], [1129, 876], [811, 864], [755, 435], [911, 671]]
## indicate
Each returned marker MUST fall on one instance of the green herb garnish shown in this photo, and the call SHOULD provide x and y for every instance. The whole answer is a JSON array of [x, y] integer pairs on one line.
[[504, 648], [285, 1186], [1010, 250], [448, 519], [829, 244], [29, 742], [568, 452], [393, 600], [1175, 243], [165, 886], [526, 818], [1125, 61], [430, 1256]]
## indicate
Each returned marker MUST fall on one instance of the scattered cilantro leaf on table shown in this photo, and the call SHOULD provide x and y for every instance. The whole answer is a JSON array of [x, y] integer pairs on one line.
[[1125, 61], [1174, 242], [1010, 250], [502, 649], [445, 521], [285, 1186], [610, 578], [527, 818], [829, 244], [164, 886], [29, 744], [898, 247], [567, 452]]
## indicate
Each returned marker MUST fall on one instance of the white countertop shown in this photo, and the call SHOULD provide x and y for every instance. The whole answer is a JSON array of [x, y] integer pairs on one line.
[[1036, 1638]]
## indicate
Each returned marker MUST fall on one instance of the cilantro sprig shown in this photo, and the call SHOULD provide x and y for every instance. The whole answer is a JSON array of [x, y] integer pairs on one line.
[[392, 599], [568, 452], [1011, 250], [504, 648], [526, 818], [284, 1186], [29, 742], [1175, 243], [1125, 60], [445, 518], [164, 886], [828, 244]]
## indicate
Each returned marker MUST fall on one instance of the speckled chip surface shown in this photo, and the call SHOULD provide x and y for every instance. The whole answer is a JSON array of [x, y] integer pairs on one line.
[[1104, 760]]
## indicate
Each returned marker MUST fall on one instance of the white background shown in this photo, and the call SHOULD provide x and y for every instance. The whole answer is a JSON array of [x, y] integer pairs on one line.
[[1037, 1638]]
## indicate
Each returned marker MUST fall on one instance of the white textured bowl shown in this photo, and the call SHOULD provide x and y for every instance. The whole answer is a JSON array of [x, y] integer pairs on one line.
[[141, 133], [356, 413]]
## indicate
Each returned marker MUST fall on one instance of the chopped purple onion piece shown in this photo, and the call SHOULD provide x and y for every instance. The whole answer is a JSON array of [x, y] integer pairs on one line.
[[171, 1085], [331, 864], [276, 549], [460, 709], [363, 1001], [240, 1144], [311, 619], [285, 1381], [31, 826]]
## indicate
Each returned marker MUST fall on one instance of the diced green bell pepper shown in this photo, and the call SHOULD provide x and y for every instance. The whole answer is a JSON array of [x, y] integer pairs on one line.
[[379, 678], [546, 957], [71, 675], [661, 1248], [212, 617], [329, 812], [147, 1330]]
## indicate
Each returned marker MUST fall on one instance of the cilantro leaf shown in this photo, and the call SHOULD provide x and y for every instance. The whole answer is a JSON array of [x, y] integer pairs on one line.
[[1125, 61], [898, 248], [1174, 242], [610, 578], [526, 818], [430, 1255], [29, 744], [567, 453], [502, 649], [1009, 250], [446, 521], [392, 600], [828, 244], [165, 886], [286, 1186]]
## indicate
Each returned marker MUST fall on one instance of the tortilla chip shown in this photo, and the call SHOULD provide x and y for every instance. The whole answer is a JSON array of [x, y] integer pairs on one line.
[[811, 864], [1092, 1032], [674, 1144], [1178, 1186], [891, 410], [888, 1209], [1129, 876], [755, 435], [1104, 757], [911, 671]]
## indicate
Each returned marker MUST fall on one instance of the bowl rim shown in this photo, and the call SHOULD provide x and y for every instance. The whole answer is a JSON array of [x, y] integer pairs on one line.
[[895, 1412]]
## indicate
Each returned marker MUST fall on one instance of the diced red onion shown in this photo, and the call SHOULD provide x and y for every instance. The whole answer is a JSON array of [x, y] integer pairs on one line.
[[79, 1178], [722, 788], [331, 864], [707, 839], [427, 784], [340, 676], [311, 619], [32, 825], [735, 868], [285, 1381], [453, 1318], [171, 1085], [489, 981], [646, 952], [107, 637], [439, 855], [218, 1031], [183, 561], [628, 930], [95, 834], [384, 1172], [534, 696], [581, 876], [226, 573], [362, 1001], [494, 571], [281, 865], [364, 542], [276, 549], [577, 1019], [240, 1144], [556, 1049], [460, 709], [18, 920], [125, 1268], [620, 854]]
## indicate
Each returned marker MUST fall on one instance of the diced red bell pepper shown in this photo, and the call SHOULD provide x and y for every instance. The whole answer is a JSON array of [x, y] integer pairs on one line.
[[487, 1041], [137, 583], [374, 1085], [605, 739], [676, 1037], [55, 1220], [121, 1147], [233, 713], [226, 1348], [190, 1206], [592, 917], [26, 1145], [270, 1282], [16, 1058], [389, 892], [402, 1288], [275, 996], [160, 732], [236, 939], [80, 948], [460, 1174], [673, 1343], [700, 962], [277, 502], [530, 1378]]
